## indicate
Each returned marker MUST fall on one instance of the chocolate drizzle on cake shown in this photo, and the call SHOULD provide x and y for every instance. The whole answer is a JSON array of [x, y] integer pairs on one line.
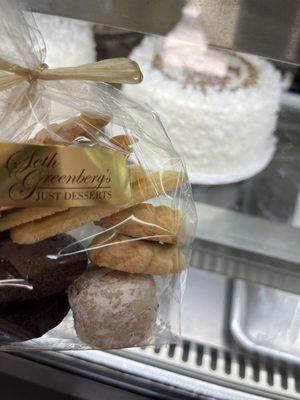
[[239, 70]]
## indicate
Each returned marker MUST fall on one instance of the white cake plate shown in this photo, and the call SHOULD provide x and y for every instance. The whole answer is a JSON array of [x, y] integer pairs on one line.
[[253, 168]]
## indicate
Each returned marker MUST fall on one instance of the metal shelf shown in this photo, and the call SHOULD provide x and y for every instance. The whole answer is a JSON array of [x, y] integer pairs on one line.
[[269, 28], [245, 247]]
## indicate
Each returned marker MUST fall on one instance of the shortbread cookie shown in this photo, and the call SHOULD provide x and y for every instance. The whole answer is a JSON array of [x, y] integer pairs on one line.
[[123, 253], [84, 126], [95, 119], [123, 141], [154, 185], [145, 221], [113, 309], [4, 208], [137, 173], [20, 216]]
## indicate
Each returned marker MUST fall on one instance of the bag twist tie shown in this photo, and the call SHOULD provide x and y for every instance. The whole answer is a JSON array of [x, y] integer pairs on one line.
[[117, 70], [34, 74]]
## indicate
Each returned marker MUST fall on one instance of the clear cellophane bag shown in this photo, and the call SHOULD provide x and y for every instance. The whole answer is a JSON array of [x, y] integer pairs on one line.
[[96, 273]]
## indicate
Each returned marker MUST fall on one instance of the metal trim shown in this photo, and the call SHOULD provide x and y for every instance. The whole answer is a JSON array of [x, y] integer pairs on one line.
[[269, 28], [239, 299]]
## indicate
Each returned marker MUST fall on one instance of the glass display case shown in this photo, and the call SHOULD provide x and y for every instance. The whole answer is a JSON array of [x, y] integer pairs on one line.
[[241, 310]]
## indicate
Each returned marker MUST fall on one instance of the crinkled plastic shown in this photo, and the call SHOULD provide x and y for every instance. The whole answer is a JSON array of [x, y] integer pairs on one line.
[[121, 268]]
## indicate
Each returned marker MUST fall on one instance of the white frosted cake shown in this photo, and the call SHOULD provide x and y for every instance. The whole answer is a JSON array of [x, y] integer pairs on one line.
[[220, 109]]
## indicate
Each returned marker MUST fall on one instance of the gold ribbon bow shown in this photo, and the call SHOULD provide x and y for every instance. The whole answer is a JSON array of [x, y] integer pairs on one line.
[[117, 70]]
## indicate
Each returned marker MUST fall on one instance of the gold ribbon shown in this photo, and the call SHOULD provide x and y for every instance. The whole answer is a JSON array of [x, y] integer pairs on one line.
[[116, 70]]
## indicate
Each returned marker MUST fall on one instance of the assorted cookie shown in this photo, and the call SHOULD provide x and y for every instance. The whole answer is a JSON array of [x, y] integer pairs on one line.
[[83, 128], [153, 185], [160, 224], [32, 272], [19, 216], [120, 252], [25, 320], [33, 280], [113, 309]]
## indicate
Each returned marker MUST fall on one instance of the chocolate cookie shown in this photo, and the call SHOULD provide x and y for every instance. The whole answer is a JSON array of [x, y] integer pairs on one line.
[[20, 321], [32, 272]]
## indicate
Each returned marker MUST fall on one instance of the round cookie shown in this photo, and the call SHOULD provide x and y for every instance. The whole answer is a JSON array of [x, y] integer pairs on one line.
[[113, 309], [27, 272], [20, 321], [145, 221], [120, 252]]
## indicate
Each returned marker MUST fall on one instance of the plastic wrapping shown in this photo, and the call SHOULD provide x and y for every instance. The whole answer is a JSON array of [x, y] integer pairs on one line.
[[75, 275]]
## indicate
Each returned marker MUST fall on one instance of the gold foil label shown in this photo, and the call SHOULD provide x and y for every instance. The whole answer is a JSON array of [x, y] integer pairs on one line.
[[58, 176]]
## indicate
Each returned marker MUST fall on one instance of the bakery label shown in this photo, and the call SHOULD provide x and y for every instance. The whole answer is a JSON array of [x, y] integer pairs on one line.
[[59, 176]]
